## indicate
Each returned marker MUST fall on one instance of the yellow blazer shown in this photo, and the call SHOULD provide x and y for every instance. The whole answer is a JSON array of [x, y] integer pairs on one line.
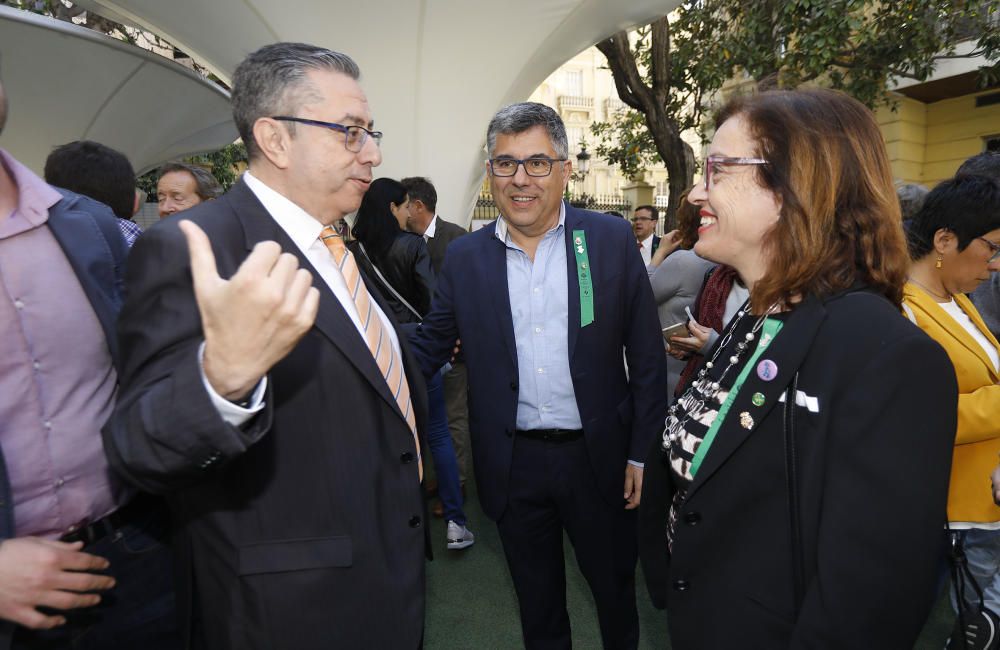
[[977, 441]]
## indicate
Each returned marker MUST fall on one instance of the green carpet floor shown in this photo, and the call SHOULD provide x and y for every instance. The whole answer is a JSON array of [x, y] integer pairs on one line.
[[471, 601]]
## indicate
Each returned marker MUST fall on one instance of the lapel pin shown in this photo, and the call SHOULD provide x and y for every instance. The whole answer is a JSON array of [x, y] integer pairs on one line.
[[579, 249], [767, 370], [578, 241], [746, 420], [757, 399]]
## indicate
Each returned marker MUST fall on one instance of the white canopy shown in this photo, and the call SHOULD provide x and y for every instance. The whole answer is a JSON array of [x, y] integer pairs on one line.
[[435, 70], [64, 82]]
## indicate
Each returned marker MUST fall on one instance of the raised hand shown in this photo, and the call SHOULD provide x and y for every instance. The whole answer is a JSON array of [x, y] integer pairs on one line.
[[39, 572], [252, 320]]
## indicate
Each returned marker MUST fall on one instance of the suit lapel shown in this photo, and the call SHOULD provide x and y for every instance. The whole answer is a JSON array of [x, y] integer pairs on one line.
[[574, 222], [787, 351], [946, 322], [331, 320], [93, 264], [496, 279]]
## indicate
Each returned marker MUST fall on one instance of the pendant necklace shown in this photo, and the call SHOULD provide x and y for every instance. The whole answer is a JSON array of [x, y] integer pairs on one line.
[[704, 389]]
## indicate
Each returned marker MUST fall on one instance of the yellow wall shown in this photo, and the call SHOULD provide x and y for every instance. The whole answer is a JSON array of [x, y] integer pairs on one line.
[[928, 142]]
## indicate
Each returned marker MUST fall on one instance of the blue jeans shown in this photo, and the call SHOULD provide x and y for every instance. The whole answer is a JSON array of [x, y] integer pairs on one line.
[[443, 453], [139, 612], [982, 550]]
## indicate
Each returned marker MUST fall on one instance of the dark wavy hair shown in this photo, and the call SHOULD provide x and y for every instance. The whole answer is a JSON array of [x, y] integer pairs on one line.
[[840, 219], [375, 226]]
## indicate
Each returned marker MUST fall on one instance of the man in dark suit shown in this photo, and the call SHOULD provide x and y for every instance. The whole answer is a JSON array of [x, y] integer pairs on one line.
[[644, 226], [263, 386], [545, 301], [424, 221]]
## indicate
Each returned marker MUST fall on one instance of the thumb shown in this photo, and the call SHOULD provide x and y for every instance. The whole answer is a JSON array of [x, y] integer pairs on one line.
[[203, 269]]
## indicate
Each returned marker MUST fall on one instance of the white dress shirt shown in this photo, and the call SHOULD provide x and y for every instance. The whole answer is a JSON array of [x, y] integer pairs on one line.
[[304, 231], [646, 250]]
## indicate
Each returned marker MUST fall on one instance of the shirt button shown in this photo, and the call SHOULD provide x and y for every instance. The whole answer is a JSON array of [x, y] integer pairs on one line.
[[538, 330], [37, 365], [48, 424], [541, 371], [60, 482], [536, 289], [20, 305]]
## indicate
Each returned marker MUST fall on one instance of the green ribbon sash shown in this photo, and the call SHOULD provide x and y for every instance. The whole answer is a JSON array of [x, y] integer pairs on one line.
[[583, 274], [768, 332]]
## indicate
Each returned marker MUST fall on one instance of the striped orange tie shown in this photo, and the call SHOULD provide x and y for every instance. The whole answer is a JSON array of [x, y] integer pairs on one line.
[[377, 338]]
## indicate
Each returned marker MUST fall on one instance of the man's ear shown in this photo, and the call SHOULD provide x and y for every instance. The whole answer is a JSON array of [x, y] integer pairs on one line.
[[274, 141]]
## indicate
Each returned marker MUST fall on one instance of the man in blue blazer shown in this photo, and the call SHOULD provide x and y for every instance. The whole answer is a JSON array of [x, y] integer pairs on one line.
[[567, 377]]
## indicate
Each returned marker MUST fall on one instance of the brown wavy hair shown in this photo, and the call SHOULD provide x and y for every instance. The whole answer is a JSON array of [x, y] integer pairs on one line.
[[840, 218], [688, 220]]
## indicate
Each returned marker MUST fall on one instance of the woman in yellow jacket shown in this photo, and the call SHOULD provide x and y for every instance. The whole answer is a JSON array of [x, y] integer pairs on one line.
[[955, 244]]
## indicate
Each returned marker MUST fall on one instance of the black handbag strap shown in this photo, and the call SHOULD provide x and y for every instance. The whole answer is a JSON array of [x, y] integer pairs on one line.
[[961, 575], [791, 479], [387, 285]]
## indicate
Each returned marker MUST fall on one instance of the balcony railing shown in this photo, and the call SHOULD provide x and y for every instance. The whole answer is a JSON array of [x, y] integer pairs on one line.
[[576, 103]]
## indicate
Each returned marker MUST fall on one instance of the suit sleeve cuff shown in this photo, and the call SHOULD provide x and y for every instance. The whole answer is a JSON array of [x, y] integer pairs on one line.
[[233, 414]]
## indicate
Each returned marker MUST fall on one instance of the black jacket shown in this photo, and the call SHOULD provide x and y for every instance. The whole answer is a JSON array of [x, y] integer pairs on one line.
[[874, 436], [406, 265]]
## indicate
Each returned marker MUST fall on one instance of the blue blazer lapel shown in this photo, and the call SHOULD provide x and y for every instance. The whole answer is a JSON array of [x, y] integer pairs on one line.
[[787, 351], [90, 254], [495, 258], [573, 222], [331, 320]]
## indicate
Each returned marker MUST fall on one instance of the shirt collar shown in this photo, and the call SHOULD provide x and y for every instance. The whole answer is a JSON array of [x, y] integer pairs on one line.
[[643, 241], [501, 228], [300, 226], [431, 228], [34, 196]]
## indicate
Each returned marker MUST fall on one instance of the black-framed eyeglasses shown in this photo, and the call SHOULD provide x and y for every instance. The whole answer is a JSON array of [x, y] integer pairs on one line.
[[712, 161], [994, 248], [532, 166], [356, 136]]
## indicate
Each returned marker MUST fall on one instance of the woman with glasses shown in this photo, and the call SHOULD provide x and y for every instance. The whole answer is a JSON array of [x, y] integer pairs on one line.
[[796, 496], [955, 244], [399, 267]]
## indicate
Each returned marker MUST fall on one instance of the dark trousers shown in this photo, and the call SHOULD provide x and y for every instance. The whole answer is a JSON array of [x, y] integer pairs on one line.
[[552, 488], [138, 613]]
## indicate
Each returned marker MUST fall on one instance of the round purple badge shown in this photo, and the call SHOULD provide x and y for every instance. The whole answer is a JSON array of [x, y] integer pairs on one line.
[[767, 370]]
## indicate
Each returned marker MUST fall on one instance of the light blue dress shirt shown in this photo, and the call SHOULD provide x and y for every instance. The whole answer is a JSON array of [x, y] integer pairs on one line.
[[539, 305]]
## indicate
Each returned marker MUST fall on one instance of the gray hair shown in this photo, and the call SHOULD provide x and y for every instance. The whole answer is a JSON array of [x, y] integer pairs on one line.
[[518, 118], [272, 81], [206, 187], [911, 198]]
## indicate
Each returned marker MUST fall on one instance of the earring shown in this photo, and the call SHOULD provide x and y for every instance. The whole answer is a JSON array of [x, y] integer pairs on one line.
[[937, 263]]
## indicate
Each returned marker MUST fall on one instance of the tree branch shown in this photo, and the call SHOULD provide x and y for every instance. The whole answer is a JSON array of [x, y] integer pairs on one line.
[[628, 81]]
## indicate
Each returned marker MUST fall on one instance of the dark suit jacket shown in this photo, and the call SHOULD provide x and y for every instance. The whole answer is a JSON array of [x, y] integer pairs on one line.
[[301, 529], [89, 237], [620, 414], [873, 464], [445, 232]]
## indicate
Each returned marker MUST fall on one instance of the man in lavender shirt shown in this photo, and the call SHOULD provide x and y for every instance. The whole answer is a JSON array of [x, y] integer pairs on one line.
[[81, 565]]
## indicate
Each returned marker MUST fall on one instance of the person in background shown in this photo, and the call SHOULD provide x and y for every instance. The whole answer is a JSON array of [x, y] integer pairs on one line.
[[644, 226], [796, 496], [182, 186], [103, 174], [398, 266], [986, 297], [676, 274], [911, 198], [955, 245], [439, 233]]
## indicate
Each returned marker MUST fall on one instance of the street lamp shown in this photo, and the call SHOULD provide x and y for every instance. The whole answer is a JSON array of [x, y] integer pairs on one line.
[[583, 160]]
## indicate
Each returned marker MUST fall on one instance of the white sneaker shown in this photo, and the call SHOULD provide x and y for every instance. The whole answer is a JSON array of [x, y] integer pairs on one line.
[[459, 537]]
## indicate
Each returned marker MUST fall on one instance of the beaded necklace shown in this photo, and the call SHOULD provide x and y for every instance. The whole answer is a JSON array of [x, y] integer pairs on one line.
[[704, 389]]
